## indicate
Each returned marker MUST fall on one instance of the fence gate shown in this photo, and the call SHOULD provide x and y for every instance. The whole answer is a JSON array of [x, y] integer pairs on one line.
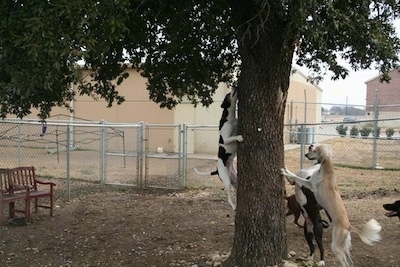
[[121, 154], [163, 156]]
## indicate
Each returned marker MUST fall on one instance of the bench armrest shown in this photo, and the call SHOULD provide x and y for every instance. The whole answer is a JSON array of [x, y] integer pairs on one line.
[[45, 183]]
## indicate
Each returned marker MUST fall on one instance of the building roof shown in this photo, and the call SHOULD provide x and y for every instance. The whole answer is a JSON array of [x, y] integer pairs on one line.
[[378, 76], [297, 70]]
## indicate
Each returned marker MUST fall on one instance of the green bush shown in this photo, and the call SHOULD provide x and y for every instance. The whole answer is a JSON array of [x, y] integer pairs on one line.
[[341, 129], [365, 131], [378, 132], [389, 132], [354, 131]]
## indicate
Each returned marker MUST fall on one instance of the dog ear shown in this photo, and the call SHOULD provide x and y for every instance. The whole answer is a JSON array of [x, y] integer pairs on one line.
[[311, 147], [227, 101]]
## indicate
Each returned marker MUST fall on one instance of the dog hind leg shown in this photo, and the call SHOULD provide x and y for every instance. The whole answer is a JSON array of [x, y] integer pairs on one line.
[[309, 235], [224, 177], [341, 244], [318, 231], [296, 219]]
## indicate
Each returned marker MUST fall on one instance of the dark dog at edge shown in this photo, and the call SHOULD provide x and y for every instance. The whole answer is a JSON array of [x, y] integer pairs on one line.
[[393, 209]]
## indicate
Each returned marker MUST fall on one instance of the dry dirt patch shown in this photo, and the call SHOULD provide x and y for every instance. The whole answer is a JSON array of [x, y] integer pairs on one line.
[[117, 226]]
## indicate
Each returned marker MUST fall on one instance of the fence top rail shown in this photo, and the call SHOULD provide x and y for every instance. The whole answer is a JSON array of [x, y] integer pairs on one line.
[[73, 123], [341, 122], [162, 125], [202, 126]]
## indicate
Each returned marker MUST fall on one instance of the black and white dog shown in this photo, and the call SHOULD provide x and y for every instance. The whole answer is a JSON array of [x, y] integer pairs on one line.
[[393, 209], [228, 140], [314, 225]]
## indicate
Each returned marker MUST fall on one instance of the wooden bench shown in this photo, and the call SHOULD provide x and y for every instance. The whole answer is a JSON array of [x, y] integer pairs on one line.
[[21, 184]]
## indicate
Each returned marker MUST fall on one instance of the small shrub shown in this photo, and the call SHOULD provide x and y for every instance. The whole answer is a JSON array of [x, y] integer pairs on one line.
[[354, 131], [341, 129], [377, 133], [389, 132], [365, 131]]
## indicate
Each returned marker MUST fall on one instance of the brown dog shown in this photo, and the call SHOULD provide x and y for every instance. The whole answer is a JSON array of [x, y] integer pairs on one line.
[[293, 208]]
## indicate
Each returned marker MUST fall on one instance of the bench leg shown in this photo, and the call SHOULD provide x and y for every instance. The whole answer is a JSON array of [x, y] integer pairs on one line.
[[11, 211], [51, 205], [1, 210], [28, 209], [36, 204]]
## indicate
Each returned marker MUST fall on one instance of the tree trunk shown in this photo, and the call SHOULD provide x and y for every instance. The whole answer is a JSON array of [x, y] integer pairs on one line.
[[260, 224]]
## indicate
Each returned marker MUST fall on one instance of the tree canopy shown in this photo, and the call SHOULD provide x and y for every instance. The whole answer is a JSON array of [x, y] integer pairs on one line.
[[185, 48]]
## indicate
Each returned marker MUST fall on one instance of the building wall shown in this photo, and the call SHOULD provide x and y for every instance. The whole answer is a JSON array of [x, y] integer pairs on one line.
[[205, 116], [304, 100], [303, 106], [387, 94], [136, 108]]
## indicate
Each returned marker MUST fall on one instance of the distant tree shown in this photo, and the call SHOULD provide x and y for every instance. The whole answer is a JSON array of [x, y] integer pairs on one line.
[[185, 48], [336, 110], [355, 111]]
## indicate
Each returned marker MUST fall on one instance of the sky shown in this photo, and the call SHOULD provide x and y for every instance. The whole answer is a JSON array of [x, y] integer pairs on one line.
[[352, 90]]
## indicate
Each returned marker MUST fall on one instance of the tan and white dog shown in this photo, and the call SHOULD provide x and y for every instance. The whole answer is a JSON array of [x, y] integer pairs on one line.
[[228, 141], [323, 184]]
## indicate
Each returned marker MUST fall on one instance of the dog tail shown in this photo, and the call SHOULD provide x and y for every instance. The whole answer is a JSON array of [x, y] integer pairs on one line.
[[206, 173], [370, 232]]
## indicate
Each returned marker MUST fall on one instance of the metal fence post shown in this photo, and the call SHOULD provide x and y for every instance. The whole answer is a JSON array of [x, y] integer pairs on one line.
[[19, 145], [68, 163], [375, 132], [146, 150], [102, 151], [302, 140], [180, 151], [184, 150], [140, 145]]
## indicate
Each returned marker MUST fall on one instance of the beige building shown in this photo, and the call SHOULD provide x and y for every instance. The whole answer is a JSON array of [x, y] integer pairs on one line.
[[303, 105], [304, 100]]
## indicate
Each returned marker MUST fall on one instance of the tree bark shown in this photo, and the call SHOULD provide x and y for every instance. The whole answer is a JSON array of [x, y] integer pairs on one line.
[[260, 223]]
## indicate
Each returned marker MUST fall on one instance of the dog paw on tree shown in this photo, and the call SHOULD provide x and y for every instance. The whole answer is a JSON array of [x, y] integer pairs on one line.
[[185, 48]]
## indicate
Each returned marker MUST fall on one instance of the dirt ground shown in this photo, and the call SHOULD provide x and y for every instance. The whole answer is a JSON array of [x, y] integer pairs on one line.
[[119, 226]]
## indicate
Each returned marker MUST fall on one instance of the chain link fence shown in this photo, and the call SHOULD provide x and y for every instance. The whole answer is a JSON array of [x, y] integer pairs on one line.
[[164, 156], [357, 144], [88, 151]]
